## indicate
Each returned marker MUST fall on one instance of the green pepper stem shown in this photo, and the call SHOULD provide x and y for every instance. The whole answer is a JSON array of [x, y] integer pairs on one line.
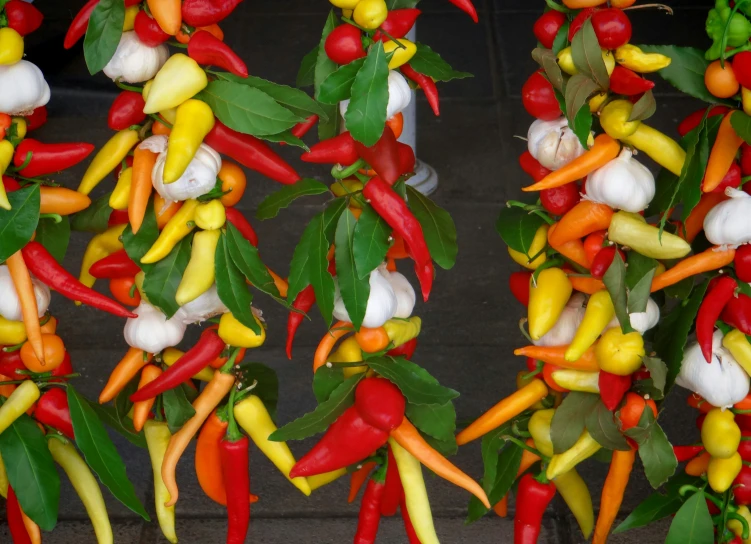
[[128, 87], [227, 367], [158, 119], [233, 433], [56, 217], [742, 521], [341, 173], [26, 162], [530, 449]]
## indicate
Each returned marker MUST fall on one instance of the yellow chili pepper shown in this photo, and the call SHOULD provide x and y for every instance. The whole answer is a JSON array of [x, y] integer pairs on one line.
[[646, 239], [130, 17], [415, 494], [23, 398], [402, 55], [11, 332], [584, 448], [199, 274], [620, 353], [722, 472], [175, 230], [547, 299], [193, 122], [665, 151], [344, 187], [251, 415], [320, 480], [345, 4], [631, 57], [238, 335], [746, 100], [577, 380], [596, 102], [737, 527], [210, 215], [100, 246], [720, 433], [11, 46], [3, 480], [349, 351], [121, 193], [6, 156], [158, 436], [178, 80], [738, 346], [85, 484], [599, 313], [535, 250], [105, 161], [401, 331], [171, 355], [566, 61]]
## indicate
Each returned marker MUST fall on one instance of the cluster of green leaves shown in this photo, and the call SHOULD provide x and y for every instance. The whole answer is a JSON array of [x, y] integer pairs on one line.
[[18, 224], [94, 218], [629, 288], [517, 227], [103, 34]]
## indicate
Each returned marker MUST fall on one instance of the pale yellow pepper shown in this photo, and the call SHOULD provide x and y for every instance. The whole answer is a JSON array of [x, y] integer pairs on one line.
[[22, 398], [105, 161], [210, 215], [403, 52], [121, 193], [178, 80], [536, 248], [177, 228], [600, 311], [631, 230], [238, 335], [738, 346], [199, 274], [158, 436], [11, 332], [619, 353], [11, 46], [566, 61], [401, 331], [193, 122], [547, 299], [577, 380], [320, 480], [631, 57], [584, 448]]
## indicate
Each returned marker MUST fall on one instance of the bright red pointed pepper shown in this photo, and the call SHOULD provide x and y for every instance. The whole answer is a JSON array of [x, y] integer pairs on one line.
[[18, 531], [383, 156], [240, 223], [250, 152], [406, 350], [48, 270], [547, 26], [337, 150], [117, 217], [206, 350], [519, 286], [303, 127], [427, 85], [532, 498], [603, 260], [37, 118], [408, 528], [628, 82], [52, 410], [693, 120], [126, 110], [392, 208], [742, 263], [579, 21], [206, 49], [467, 7], [612, 388], [303, 302], [709, 312], [393, 491], [344, 44], [23, 17], [370, 511], [397, 24], [207, 12], [407, 158], [116, 265], [731, 179], [80, 23], [148, 30], [49, 158], [380, 403], [684, 453], [235, 458]]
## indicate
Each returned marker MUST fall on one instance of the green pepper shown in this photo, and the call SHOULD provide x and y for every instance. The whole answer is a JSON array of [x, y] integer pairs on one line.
[[739, 29]]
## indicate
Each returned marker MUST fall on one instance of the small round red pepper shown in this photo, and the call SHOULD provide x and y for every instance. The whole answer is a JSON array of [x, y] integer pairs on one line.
[[398, 22], [532, 499], [380, 403], [23, 17], [612, 28], [148, 30], [547, 26], [126, 110], [559, 200], [344, 44], [52, 410], [538, 98], [603, 260]]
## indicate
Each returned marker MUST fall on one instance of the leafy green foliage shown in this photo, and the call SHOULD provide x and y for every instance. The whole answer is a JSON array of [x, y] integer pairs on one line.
[[103, 34]]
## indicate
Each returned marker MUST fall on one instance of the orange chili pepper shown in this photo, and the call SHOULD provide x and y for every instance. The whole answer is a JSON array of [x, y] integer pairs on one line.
[[133, 361], [585, 284], [695, 221], [142, 408], [744, 404], [358, 478], [528, 458], [390, 264], [164, 212], [339, 330], [29, 309], [604, 150], [501, 507], [579, 4], [723, 154], [396, 124], [573, 250], [140, 187], [555, 355], [214, 30], [711, 259], [594, 243], [62, 201], [397, 250], [612, 493], [547, 376], [698, 465], [696, 401], [372, 340], [583, 219], [160, 129], [168, 14], [50, 327], [35, 534], [6, 390], [280, 282]]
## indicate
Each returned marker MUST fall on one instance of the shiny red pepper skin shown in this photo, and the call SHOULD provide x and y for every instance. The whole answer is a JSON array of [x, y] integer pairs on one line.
[[519, 286], [532, 167], [685, 453], [467, 7], [303, 127], [742, 263], [344, 44], [383, 156], [370, 513], [392, 208], [23, 17], [52, 410], [37, 118], [612, 27], [612, 388], [532, 498], [116, 265], [250, 152], [742, 486], [380, 403], [709, 312], [407, 158], [393, 492], [48, 270], [240, 223], [427, 85], [206, 350], [235, 470], [127, 109], [560, 200], [207, 12], [579, 21], [406, 350], [304, 302], [692, 121], [731, 179], [547, 26], [15, 519], [148, 30], [49, 158], [742, 68], [11, 363], [538, 98], [117, 217], [347, 441], [408, 528], [398, 22], [80, 23], [10, 184], [206, 49], [603, 260], [337, 150], [628, 82]]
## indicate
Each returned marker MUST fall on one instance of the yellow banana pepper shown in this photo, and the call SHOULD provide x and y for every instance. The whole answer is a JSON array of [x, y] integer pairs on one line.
[[720, 433], [599, 313], [238, 335], [171, 355], [737, 527], [193, 122], [3, 480], [722, 472], [130, 17], [596, 102], [577, 380], [738, 346], [11, 46], [22, 398], [199, 274], [320, 480], [628, 230], [11, 332], [100, 246], [158, 436], [210, 215], [121, 193], [345, 4], [665, 151], [105, 161], [401, 331], [6, 156], [620, 353], [344, 187], [631, 57], [584, 448], [566, 61], [252, 416], [177, 228], [535, 250], [349, 351], [178, 80], [402, 55], [547, 299]]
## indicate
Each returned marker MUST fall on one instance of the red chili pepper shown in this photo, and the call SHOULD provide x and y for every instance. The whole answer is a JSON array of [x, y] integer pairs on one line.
[[116, 265], [303, 127], [383, 156], [693, 120], [532, 167], [10, 184], [407, 158], [207, 12], [337, 150], [742, 486], [117, 217], [742, 68], [731, 179], [148, 30], [49, 158], [742, 263], [603, 260], [37, 118], [538, 98], [250, 152], [344, 44], [408, 528], [628, 82], [392, 208], [393, 492], [240, 223], [380, 403], [612, 388], [65, 368], [467, 7], [206, 350], [205, 48], [235, 470], [709, 312], [684, 453], [370, 512], [547, 26], [304, 302], [532, 498], [559, 200], [11, 363], [18, 531], [427, 85], [23, 17], [745, 161], [52, 410], [46, 268], [80, 23], [406, 350], [347, 441], [397, 24], [127, 109]]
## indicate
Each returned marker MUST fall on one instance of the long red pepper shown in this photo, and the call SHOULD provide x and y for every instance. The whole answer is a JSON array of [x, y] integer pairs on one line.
[[532, 498], [427, 85], [207, 12], [206, 350], [23, 17], [37, 118], [206, 49], [392, 208], [692, 121], [46, 268], [408, 528], [303, 302], [370, 512], [532, 166], [126, 110], [80, 23], [628, 82], [406, 350], [240, 223], [302, 128], [393, 491], [612, 388], [116, 265], [49, 158], [710, 310], [18, 531], [337, 150], [467, 7], [398, 22], [684, 453], [236, 473], [52, 410], [251, 153], [383, 156]]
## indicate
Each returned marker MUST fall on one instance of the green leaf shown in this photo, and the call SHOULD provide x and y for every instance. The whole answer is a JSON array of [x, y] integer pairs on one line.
[[54, 236], [161, 280], [429, 63], [500, 472], [437, 226], [286, 195], [638, 267], [561, 39], [106, 414], [267, 383], [692, 523], [638, 297], [658, 371], [354, 290], [366, 113], [122, 402], [655, 451], [320, 278], [231, 286], [329, 129], [578, 90], [249, 262], [401, 4], [411, 380], [18, 224], [95, 217], [246, 109], [615, 283], [326, 380], [103, 34], [436, 420], [547, 59], [741, 123], [177, 408], [587, 57], [370, 242], [517, 228], [288, 138], [644, 108], [95, 444], [307, 69], [692, 174], [569, 420], [137, 245], [447, 448], [325, 66], [601, 424], [664, 186], [324, 415], [338, 85], [31, 471]]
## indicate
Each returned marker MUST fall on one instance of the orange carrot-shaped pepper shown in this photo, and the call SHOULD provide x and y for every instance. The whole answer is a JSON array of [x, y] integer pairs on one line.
[[140, 186], [29, 309], [167, 13], [340, 329], [572, 250], [583, 219], [695, 221], [126, 369], [698, 465], [141, 409], [723, 154], [556, 355], [613, 492], [711, 259], [62, 201], [585, 284]]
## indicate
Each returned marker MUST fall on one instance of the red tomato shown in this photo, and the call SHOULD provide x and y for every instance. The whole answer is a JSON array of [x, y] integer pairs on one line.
[[547, 26], [612, 27], [561, 199], [742, 262], [539, 99]]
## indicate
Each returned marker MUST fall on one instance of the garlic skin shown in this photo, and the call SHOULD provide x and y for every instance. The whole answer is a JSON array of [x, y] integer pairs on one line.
[[405, 293], [22, 88], [198, 179], [382, 301], [400, 95], [727, 224], [202, 308], [151, 331], [134, 61], [623, 183], [553, 143], [641, 321], [564, 329], [722, 383], [10, 306]]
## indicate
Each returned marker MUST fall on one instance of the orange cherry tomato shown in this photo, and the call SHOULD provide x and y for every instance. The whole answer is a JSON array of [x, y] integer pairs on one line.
[[593, 244], [372, 340], [631, 412], [547, 376], [50, 327], [121, 289], [54, 353], [721, 82], [233, 180], [214, 30], [163, 211], [396, 124]]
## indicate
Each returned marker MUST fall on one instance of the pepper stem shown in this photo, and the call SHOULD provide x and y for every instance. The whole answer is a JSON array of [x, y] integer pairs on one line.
[[125, 87], [26, 162], [530, 449], [158, 119], [340, 173], [227, 367], [56, 217], [742, 521], [233, 432], [662, 7]]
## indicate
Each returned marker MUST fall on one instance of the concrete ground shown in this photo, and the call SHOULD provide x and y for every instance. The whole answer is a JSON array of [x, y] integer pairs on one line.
[[470, 324]]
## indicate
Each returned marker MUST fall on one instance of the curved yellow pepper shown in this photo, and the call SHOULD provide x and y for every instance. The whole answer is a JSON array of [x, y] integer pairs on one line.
[[11, 46], [121, 193], [11, 332], [100, 246], [6, 156], [105, 161], [349, 351], [547, 299], [402, 55], [600, 311], [158, 435], [566, 61], [631, 57], [238, 335], [177, 228], [631, 230], [720, 433], [130, 17], [210, 215], [577, 380], [584, 448], [739, 347], [171, 355], [665, 151], [199, 274], [320, 480], [178, 80], [401, 331], [536, 248], [193, 121], [22, 398], [722, 472], [620, 353]]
